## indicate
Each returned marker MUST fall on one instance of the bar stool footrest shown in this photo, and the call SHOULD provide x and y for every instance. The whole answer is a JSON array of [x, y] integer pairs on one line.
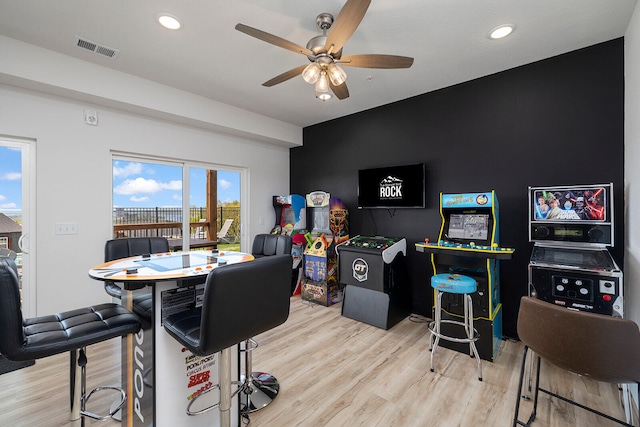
[[112, 412], [432, 325], [238, 384]]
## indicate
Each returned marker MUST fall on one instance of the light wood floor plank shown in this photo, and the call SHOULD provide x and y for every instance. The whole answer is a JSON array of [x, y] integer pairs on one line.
[[335, 371]]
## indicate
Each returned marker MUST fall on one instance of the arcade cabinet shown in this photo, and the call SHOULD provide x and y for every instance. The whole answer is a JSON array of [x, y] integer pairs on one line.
[[572, 228], [291, 219], [328, 221], [469, 244], [373, 271]]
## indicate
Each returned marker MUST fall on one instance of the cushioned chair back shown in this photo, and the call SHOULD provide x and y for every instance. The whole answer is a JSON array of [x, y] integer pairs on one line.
[[602, 347], [271, 244], [243, 300], [11, 332], [133, 246]]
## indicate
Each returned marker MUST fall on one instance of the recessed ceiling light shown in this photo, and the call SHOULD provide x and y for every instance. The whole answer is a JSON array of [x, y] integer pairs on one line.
[[169, 21], [501, 31]]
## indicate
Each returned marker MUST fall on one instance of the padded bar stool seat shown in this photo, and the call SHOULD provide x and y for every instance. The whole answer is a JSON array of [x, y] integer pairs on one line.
[[39, 337], [465, 286]]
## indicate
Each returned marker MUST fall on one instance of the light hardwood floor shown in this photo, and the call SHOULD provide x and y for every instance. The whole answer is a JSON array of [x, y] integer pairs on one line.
[[335, 371]]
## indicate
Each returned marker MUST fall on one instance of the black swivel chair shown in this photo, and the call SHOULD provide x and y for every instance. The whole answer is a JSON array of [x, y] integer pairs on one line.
[[131, 246], [260, 388], [38, 337], [600, 347], [223, 321]]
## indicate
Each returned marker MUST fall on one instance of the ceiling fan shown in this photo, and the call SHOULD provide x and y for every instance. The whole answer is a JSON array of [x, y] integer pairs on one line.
[[325, 52]]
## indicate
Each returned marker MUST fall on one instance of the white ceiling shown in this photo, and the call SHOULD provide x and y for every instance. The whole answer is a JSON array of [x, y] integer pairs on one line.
[[448, 39]]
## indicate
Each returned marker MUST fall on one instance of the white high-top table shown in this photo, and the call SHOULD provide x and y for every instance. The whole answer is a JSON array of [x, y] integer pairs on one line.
[[159, 376]]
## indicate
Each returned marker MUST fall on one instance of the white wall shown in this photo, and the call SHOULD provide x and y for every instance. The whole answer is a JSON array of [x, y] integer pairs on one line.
[[632, 172], [74, 180]]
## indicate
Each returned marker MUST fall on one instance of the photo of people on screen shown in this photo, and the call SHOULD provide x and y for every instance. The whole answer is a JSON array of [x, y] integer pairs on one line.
[[573, 204]]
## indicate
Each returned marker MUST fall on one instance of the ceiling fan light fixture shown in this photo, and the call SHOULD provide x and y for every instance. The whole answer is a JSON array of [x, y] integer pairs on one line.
[[311, 73], [322, 87], [336, 74], [323, 96]]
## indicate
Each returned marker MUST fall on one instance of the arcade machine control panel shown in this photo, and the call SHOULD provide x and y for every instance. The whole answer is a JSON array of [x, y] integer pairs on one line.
[[468, 249], [388, 247]]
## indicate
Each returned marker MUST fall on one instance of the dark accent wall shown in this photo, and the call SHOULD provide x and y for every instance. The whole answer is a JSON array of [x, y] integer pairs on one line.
[[559, 121]]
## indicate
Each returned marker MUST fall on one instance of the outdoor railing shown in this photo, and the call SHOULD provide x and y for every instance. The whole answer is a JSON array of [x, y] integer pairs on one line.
[[167, 222]]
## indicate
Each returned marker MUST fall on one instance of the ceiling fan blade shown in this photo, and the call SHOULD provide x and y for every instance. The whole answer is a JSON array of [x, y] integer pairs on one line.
[[345, 24], [376, 61], [341, 92], [274, 40], [284, 76]]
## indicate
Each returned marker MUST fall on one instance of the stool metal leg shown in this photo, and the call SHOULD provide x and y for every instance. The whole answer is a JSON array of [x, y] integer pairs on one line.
[[471, 332], [224, 373], [78, 390], [438, 317], [75, 385]]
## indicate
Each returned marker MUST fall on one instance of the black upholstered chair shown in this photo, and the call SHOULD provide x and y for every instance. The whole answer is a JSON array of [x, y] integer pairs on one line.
[[270, 244], [260, 388], [227, 316], [603, 348], [38, 337], [131, 246]]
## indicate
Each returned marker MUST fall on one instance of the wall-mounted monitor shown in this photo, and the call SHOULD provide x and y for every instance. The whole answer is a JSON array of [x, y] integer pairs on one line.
[[392, 187]]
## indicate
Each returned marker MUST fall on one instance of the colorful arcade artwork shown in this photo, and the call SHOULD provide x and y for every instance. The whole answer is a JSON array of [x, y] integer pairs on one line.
[[328, 226], [586, 203]]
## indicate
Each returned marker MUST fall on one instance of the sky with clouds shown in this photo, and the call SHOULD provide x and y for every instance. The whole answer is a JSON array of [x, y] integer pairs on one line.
[[135, 184], [10, 180]]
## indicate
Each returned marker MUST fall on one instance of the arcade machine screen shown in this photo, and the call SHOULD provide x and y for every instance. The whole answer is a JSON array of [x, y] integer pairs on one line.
[[288, 215], [320, 220], [577, 203], [468, 226]]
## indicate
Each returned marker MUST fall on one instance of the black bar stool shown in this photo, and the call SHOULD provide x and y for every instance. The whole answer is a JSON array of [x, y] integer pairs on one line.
[[38, 337], [260, 388], [228, 316]]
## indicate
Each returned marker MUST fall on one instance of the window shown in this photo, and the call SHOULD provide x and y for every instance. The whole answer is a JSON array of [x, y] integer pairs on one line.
[[149, 200]]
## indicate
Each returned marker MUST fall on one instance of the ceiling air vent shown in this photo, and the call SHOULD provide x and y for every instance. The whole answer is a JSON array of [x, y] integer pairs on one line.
[[96, 47]]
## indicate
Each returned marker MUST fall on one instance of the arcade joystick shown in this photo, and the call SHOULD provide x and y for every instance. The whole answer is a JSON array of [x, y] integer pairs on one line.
[[308, 238], [494, 246], [426, 240]]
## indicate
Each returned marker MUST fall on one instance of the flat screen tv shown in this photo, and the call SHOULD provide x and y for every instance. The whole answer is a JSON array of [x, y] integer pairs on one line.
[[392, 187]]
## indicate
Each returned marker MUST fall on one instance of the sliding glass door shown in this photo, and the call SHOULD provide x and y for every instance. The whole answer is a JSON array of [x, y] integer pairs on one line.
[[17, 213]]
